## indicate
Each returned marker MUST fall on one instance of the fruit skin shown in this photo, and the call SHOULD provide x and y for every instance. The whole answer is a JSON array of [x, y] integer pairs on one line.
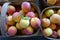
[[29, 30], [26, 7], [11, 9], [16, 17], [57, 27], [49, 12], [35, 22], [51, 2], [45, 22], [54, 35], [12, 31], [24, 23], [55, 18], [52, 26], [0, 8], [58, 12], [58, 23], [9, 20], [58, 32], [47, 32], [18, 26], [30, 14]]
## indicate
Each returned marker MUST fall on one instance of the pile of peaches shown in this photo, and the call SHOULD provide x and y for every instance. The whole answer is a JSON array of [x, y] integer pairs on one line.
[[51, 23], [25, 21]]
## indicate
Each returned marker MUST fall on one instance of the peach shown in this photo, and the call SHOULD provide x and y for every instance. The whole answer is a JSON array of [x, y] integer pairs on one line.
[[12, 31], [49, 12], [57, 27], [0, 8], [16, 17], [11, 9], [58, 23], [51, 2], [35, 22], [47, 32], [26, 6], [55, 18], [28, 30], [58, 32], [9, 20], [30, 14], [18, 26], [54, 35], [52, 26], [45, 22], [58, 12], [24, 23]]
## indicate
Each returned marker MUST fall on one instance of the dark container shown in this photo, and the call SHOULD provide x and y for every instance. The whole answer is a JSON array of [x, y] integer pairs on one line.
[[3, 16], [53, 7], [45, 4]]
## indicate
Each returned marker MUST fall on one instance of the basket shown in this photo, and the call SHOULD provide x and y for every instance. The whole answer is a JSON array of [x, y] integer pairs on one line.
[[3, 16], [53, 7]]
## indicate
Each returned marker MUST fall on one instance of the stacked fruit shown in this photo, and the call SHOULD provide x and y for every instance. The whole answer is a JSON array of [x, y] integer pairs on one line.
[[24, 21], [51, 23]]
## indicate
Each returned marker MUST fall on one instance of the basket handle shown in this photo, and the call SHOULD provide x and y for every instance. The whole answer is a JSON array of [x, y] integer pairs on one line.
[[3, 17]]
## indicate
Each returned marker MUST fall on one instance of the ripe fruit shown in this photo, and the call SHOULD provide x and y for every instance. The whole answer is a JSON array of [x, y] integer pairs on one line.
[[47, 32], [57, 27], [16, 17], [51, 2], [45, 22], [30, 14], [54, 35], [55, 18], [18, 26], [26, 7], [58, 12], [52, 26], [58, 32], [0, 8], [24, 23], [11, 9], [12, 31], [10, 20], [35, 22], [49, 12], [28, 30]]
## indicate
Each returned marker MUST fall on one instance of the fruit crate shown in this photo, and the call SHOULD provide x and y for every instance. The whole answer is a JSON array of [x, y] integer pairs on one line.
[[3, 17], [54, 30]]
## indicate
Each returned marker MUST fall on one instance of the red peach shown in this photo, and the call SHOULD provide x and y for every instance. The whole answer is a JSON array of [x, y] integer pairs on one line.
[[55, 18], [52, 26], [16, 17], [54, 34], [0, 8], [26, 6], [30, 14], [18, 26], [35, 22], [12, 31], [28, 30], [45, 22], [9, 20], [11, 9]]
